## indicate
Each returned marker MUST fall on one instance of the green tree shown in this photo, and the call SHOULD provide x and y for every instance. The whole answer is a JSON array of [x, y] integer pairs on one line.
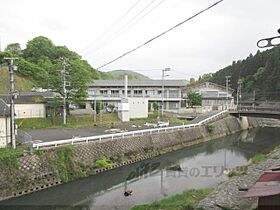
[[194, 99], [155, 106], [99, 106], [14, 49], [37, 48], [192, 81]]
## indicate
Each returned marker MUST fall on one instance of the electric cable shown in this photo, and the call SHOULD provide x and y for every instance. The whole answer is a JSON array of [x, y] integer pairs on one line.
[[163, 33]]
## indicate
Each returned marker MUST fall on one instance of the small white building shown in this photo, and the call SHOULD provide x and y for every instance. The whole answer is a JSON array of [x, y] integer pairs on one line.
[[4, 124], [28, 105], [131, 108]]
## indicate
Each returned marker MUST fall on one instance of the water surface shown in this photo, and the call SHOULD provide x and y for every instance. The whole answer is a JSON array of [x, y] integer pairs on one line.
[[151, 180]]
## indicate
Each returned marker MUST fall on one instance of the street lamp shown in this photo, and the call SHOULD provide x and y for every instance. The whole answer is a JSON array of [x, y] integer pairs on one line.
[[227, 81], [162, 91]]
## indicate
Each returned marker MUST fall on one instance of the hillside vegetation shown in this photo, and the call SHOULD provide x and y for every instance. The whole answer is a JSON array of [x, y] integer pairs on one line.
[[119, 74], [259, 73], [39, 65], [22, 83]]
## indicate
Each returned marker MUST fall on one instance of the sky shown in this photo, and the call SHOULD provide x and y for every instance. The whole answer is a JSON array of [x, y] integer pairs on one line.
[[102, 30]]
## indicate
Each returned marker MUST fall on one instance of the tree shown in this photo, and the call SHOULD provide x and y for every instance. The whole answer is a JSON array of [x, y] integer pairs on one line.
[[192, 81], [155, 107], [194, 99], [14, 49], [39, 47]]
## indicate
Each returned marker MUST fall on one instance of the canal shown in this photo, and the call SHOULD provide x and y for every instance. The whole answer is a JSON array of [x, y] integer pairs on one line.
[[198, 166]]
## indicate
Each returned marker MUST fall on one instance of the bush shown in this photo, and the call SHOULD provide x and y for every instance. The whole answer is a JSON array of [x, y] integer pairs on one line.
[[258, 158], [210, 128], [232, 173], [103, 163]]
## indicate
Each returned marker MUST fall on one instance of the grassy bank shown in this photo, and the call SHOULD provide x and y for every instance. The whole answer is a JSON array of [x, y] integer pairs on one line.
[[187, 200], [87, 121]]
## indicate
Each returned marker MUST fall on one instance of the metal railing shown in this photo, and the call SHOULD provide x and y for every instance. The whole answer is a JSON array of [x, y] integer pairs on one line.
[[124, 134]]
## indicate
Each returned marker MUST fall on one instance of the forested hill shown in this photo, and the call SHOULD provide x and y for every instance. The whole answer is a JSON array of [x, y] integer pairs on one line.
[[119, 74], [40, 63], [259, 73]]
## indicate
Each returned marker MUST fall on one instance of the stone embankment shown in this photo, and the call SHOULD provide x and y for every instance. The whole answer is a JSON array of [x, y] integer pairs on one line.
[[229, 194], [36, 170]]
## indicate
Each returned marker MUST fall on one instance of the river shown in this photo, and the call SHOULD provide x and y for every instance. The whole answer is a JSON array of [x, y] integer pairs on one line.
[[195, 167]]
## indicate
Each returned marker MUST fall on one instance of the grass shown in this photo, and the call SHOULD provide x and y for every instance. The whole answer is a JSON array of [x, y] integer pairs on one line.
[[9, 158], [63, 162], [232, 173], [187, 200], [258, 158], [103, 162], [21, 83], [72, 121]]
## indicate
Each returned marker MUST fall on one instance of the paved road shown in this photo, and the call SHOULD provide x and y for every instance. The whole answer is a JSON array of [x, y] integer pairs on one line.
[[204, 116], [52, 134]]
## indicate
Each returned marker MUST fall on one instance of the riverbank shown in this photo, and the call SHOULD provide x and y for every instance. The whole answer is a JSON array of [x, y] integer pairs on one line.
[[32, 171], [187, 200], [228, 195]]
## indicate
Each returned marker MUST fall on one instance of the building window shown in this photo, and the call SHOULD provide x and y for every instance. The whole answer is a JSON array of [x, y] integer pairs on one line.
[[138, 92], [114, 92], [103, 92]]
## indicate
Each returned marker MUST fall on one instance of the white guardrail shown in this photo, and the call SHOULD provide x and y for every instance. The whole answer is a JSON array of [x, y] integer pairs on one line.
[[124, 134]]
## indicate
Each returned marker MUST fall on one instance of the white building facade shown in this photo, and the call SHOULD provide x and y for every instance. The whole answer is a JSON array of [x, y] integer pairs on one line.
[[112, 91]]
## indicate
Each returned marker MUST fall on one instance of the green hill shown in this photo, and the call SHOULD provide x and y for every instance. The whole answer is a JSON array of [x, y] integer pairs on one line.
[[119, 74], [22, 84], [40, 64]]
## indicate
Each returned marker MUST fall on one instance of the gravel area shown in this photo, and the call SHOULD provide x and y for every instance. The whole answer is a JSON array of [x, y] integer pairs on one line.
[[228, 195]]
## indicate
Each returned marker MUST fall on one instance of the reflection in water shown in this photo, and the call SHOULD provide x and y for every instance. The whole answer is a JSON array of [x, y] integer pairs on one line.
[[200, 166]]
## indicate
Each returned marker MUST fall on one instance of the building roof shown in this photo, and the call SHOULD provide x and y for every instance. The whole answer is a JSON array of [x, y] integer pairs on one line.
[[268, 184], [4, 109], [29, 97], [138, 83], [207, 84]]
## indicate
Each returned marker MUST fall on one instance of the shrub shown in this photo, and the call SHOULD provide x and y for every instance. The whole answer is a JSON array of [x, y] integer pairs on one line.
[[258, 158], [103, 163]]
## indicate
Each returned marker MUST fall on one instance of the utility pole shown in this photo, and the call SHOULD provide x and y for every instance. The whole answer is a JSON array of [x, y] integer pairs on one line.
[[95, 111], [240, 96], [254, 99], [63, 72], [12, 69], [227, 81], [237, 96], [162, 91]]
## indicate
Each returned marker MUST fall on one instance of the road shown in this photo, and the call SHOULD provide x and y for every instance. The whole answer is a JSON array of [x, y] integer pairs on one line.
[[53, 134]]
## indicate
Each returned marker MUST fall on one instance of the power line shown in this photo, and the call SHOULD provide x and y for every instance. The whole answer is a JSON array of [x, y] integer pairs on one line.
[[163, 33], [119, 30], [112, 26]]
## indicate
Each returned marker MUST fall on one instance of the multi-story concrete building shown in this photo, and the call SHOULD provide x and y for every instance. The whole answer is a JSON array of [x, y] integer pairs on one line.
[[214, 96], [112, 91]]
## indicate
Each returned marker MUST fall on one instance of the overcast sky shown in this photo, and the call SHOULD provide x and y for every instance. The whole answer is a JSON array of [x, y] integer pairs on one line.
[[102, 30]]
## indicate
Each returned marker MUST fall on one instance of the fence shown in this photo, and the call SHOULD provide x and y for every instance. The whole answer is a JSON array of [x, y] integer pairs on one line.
[[124, 134], [24, 138]]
